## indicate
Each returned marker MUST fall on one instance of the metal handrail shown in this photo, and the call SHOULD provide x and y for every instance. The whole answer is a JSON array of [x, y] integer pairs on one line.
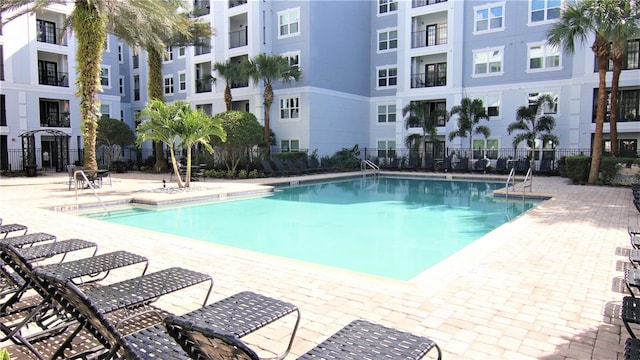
[[368, 163], [527, 179], [90, 184], [512, 179]]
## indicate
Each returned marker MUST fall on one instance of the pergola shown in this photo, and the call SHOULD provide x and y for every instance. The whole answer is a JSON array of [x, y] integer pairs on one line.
[[29, 149]]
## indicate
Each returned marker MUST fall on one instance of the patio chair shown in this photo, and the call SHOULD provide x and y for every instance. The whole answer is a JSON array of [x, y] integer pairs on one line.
[[480, 166], [546, 166], [429, 164], [360, 339], [11, 228], [501, 165], [632, 349], [280, 165], [522, 166], [268, 170], [630, 313]]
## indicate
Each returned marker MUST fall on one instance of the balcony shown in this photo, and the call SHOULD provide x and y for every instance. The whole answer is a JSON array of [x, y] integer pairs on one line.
[[54, 113], [419, 3], [434, 75], [54, 78], [432, 35], [49, 33], [234, 3], [201, 8], [203, 85], [238, 38]]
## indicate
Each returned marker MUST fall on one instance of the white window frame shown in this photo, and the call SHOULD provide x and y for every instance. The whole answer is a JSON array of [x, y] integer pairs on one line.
[[491, 100], [546, 110], [386, 7], [547, 52], [290, 107], [386, 145], [287, 16], [389, 112], [545, 10], [133, 88], [388, 77], [488, 8], [167, 56], [182, 52], [293, 58], [120, 53], [168, 88], [289, 147], [106, 68], [488, 52], [102, 113], [181, 82], [121, 85], [388, 41]]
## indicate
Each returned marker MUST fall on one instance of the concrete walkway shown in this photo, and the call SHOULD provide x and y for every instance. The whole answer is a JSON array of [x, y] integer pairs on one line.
[[547, 285]]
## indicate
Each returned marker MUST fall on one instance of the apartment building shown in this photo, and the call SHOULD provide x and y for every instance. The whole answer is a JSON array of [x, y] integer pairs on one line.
[[362, 62]]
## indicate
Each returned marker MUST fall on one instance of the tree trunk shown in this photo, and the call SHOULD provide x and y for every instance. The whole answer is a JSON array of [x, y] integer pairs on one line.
[[91, 34], [613, 116], [596, 152], [174, 163], [227, 97], [268, 100], [155, 88]]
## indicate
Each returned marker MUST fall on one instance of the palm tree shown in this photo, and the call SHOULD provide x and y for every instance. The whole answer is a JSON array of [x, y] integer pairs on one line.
[[230, 70], [140, 22], [169, 123], [470, 113], [421, 115], [578, 21], [532, 126], [623, 31], [270, 68]]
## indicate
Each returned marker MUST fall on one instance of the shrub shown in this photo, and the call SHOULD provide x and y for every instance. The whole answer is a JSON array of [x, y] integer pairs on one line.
[[231, 174], [242, 174], [253, 174], [119, 166], [578, 168]]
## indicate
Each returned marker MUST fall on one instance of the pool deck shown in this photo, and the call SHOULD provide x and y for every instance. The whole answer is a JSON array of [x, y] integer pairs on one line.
[[547, 285]]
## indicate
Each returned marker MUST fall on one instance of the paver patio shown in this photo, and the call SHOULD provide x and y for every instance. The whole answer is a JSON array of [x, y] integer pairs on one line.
[[547, 285]]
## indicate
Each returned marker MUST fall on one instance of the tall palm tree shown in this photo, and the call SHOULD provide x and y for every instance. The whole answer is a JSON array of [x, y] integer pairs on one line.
[[470, 113], [623, 31], [170, 123], [230, 70], [421, 115], [578, 21], [270, 68], [532, 124], [139, 22]]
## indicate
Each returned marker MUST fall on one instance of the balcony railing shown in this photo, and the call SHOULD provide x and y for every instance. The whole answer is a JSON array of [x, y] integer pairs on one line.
[[239, 84], [54, 79], [422, 80], [203, 85], [199, 50], [424, 38], [238, 38], [234, 3], [55, 120], [419, 3], [51, 37], [201, 7]]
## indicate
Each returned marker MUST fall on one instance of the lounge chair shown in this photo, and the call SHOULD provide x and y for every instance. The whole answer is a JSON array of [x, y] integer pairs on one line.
[[280, 165], [10, 228], [268, 170], [360, 339], [480, 166], [429, 164], [462, 165], [546, 166], [242, 313], [637, 204], [522, 166], [131, 294], [291, 167], [630, 313], [501, 165], [632, 349]]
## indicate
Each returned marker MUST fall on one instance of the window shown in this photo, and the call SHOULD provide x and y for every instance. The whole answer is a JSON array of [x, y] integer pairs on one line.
[[168, 54], [546, 107], [120, 53], [387, 113], [105, 111], [386, 148], [46, 32], [136, 87], [182, 81], [1, 63], [487, 62], [135, 59], [631, 61], [491, 104], [629, 105], [435, 75], [544, 10], [437, 108], [387, 77], [182, 52], [121, 115], [121, 85], [3, 111], [488, 148], [387, 6], [104, 77], [387, 40], [489, 18], [289, 22], [289, 145], [54, 113], [293, 59], [543, 57], [289, 108], [168, 85]]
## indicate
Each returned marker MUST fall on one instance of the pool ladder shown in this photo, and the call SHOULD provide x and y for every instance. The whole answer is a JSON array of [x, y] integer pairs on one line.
[[90, 184], [365, 164], [527, 183]]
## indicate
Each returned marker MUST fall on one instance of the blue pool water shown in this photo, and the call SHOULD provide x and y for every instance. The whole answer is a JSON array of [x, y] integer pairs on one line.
[[387, 226]]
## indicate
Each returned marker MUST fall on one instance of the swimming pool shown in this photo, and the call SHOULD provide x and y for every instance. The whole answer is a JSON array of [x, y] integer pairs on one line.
[[386, 226]]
